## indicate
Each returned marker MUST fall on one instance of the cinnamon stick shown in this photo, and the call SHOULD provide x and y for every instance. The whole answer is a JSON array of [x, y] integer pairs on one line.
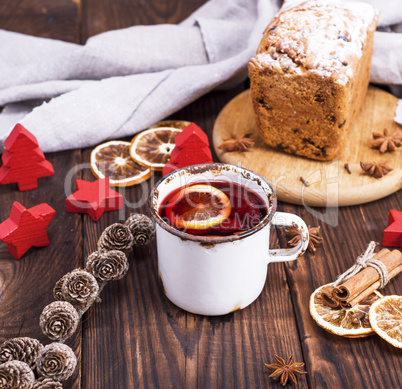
[[366, 277], [333, 299], [328, 296], [369, 290]]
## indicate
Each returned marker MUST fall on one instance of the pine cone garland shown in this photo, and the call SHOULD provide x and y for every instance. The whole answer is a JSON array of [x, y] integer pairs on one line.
[[56, 361], [116, 237], [47, 383], [59, 320], [22, 349], [141, 227], [57, 290], [80, 288], [16, 375], [107, 265]]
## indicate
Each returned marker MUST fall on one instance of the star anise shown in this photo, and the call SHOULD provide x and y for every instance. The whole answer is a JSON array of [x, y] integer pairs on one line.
[[386, 142], [295, 236], [242, 143], [376, 169], [282, 371]]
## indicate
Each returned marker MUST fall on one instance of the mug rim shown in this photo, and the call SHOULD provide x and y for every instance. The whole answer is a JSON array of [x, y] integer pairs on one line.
[[200, 168]]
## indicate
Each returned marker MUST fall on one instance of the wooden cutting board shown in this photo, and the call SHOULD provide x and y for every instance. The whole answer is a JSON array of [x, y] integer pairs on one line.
[[330, 183]]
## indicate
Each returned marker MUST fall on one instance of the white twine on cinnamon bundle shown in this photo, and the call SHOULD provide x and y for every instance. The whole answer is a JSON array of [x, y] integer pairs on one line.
[[363, 261]]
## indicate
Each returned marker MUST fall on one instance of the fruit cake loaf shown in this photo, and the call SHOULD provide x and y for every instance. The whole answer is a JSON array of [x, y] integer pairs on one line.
[[310, 75]]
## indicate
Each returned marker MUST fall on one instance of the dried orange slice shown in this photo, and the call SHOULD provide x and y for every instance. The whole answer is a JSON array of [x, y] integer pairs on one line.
[[112, 159], [198, 207], [350, 323], [386, 319], [178, 124], [151, 148]]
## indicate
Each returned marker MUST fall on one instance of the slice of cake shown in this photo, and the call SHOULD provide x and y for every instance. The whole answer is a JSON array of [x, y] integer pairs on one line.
[[310, 75]]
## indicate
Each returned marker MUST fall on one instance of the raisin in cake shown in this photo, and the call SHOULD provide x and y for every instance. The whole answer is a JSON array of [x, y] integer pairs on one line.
[[310, 75]]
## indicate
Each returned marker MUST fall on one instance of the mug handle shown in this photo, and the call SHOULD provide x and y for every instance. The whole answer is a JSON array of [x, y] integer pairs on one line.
[[289, 220]]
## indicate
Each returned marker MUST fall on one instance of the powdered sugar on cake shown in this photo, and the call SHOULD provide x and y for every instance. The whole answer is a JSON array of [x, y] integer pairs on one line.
[[322, 37]]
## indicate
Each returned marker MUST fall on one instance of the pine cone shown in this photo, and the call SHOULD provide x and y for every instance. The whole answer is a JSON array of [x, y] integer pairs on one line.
[[16, 375], [141, 227], [47, 383], [116, 237], [20, 349], [59, 320], [107, 265], [56, 361], [80, 288], [57, 290]]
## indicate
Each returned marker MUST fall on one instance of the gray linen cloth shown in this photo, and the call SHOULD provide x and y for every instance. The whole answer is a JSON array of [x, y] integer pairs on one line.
[[123, 81]]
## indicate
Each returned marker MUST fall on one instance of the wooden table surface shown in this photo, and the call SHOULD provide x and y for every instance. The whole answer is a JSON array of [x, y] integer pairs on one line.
[[136, 338]]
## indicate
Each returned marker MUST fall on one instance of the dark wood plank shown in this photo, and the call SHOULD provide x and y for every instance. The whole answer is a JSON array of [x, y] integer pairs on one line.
[[108, 15], [26, 285], [44, 18], [334, 361]]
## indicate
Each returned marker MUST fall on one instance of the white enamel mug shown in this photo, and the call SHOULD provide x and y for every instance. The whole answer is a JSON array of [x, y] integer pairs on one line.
[[216, 275]]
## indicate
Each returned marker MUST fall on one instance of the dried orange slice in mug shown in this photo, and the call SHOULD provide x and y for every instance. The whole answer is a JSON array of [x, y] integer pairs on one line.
[[112, 159], [151, 148], [386, 319], [198, 207], [350, 323]]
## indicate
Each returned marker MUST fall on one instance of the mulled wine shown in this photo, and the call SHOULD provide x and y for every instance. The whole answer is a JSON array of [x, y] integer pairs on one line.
[[215, 208]]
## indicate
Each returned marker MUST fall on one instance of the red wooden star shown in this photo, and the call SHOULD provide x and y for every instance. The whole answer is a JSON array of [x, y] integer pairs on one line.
[[26, 228], [392, 236], [94, 198]]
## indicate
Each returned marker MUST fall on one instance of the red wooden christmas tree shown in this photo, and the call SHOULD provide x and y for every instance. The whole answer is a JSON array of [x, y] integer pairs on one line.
[[192, 147], [23, 160]]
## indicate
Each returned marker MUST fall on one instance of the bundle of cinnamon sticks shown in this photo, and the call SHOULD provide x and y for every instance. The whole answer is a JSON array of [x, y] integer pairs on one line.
[[352, 291]]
